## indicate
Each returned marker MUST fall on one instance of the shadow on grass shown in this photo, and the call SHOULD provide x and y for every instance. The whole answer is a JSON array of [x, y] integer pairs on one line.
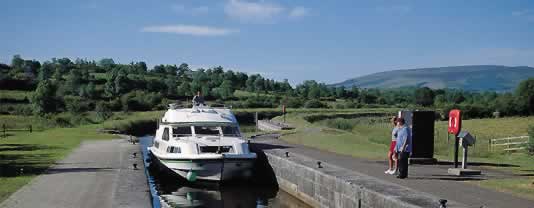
[[23, 147], [20, 159]]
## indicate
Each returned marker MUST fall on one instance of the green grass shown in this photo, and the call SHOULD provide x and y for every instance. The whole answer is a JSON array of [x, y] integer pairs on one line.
[[483, 130], [523, 187], [17, 95], [24, 155], [245, 94]]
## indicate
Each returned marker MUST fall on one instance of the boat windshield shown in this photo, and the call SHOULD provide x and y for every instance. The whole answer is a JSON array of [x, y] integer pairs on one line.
[[230, 131], [181, 131], [207, 130]]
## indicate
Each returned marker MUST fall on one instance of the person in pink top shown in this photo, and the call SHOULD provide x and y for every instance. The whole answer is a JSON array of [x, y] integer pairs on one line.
[[392, 158]]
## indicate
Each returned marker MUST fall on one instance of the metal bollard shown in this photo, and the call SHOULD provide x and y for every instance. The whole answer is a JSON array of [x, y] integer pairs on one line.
[[135, 166], [442, 203], [287, 154], [319, 164], [134, 154]]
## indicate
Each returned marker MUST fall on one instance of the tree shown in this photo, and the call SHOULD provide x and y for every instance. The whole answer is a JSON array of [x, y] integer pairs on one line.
[[88, 91], [43, 99], [46, 71], [354, 92], [525, 94], [106, 63], [424, 96], [340, 92], [225, 90], [103, 111], [171, 84], [250, 83], [17, 62], [184, 89], [74, 81], [259, 84]]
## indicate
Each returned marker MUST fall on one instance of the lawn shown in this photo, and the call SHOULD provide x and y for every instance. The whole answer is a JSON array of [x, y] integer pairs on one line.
[[24, 155]]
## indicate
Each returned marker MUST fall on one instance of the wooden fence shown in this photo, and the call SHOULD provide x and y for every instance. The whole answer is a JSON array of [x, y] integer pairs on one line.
[[5, 129], [510, 143]]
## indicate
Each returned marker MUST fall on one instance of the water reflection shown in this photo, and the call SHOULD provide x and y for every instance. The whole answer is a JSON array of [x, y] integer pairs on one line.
[[176, 192]]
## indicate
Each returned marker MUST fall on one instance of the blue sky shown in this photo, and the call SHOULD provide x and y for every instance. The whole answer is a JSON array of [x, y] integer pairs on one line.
[[328, 41]]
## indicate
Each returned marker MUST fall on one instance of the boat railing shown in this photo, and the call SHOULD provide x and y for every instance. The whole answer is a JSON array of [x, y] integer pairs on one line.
[[203, 106]]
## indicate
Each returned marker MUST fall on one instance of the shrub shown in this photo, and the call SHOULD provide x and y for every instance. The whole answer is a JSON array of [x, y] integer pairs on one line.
[[340, 123], [314, 104], [75, 104], [530, 145], [352, 104], [292, 102], [140, 101], [103, 112]]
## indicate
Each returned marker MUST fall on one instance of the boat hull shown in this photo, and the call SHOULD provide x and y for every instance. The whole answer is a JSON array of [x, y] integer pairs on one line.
[[222, 169]]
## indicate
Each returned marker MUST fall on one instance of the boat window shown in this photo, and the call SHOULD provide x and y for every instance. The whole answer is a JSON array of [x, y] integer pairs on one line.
[[156, 144], [173, 149], [165, 135], [207, 130], [181, 131], [230, 131]]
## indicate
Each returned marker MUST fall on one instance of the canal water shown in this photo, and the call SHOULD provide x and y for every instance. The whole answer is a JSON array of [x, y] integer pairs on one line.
[[168, 190]]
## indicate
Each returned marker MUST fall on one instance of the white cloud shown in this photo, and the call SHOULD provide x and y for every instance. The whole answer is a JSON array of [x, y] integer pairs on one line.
[[194, 30], [299, 12], [253, 12]]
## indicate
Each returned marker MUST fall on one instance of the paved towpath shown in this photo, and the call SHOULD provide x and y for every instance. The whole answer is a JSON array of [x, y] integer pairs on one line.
[[432, 179], [97, 174]]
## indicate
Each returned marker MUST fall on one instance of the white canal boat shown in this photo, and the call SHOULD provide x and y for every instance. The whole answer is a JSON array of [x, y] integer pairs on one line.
[[202, 143]]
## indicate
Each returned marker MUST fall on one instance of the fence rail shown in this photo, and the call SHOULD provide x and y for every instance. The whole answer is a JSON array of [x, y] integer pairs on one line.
[[5, 129], [509, 143]]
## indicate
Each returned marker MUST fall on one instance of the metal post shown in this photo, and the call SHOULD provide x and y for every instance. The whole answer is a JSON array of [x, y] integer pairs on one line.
[[464, 159], [30, 128], [456, 146], [4, 129], [256, 120]]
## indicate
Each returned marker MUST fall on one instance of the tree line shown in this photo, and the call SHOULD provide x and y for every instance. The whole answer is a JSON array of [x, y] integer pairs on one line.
[[62, 84]]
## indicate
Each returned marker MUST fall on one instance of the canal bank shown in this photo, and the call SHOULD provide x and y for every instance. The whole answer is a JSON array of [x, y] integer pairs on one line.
[[345, 181], [97, 174]]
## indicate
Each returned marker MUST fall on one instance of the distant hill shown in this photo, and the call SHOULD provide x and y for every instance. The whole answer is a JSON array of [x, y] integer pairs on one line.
[[471, 78]]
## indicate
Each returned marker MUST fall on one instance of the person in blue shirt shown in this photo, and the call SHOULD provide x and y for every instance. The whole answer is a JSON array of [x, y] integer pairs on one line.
[[403, 147]]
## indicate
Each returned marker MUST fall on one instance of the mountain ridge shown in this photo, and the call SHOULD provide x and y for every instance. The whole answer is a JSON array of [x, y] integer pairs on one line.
[[468, 77]]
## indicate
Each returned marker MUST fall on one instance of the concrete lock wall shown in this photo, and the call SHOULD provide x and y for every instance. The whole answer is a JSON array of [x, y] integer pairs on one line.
[[332, 186]]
